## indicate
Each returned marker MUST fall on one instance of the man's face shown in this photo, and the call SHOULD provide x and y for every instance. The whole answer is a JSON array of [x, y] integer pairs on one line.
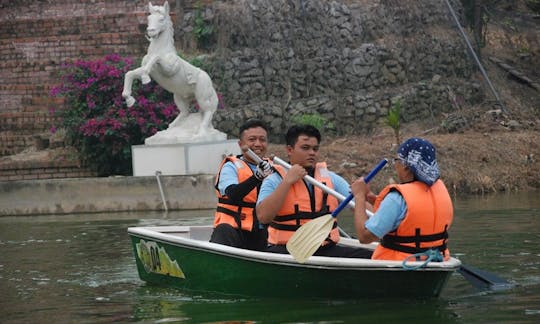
[[256, 139], [305, 151], [403, 172]]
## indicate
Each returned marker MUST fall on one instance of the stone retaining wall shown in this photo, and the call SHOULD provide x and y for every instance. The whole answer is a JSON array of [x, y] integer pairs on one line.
[[113, 194], [347, 61]]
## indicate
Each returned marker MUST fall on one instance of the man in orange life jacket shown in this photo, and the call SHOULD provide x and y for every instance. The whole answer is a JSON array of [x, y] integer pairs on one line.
[[237, 186], [286, 201], [410, 217]]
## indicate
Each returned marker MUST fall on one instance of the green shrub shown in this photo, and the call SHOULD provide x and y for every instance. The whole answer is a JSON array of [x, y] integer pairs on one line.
[[315, 120], [393, 117], [202, 31]]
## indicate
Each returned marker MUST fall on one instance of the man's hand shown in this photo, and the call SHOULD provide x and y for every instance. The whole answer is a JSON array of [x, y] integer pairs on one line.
[[264, 169], [360, 188], [294, 174]]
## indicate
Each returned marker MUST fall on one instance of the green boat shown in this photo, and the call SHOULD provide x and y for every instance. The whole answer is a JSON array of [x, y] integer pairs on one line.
[[182, 257]]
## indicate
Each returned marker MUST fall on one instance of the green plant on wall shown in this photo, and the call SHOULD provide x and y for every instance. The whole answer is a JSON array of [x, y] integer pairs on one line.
[[202, 31], [393, 119], [315, 120]]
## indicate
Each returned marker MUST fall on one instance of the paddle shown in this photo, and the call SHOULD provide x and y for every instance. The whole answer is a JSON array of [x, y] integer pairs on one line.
[[484, 280], [309, 237], [476, 277], [323, 187], [308, 178], [252, 155]]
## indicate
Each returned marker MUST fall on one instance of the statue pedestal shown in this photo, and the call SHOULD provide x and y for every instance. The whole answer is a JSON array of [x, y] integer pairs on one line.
[[182, 158], [186, 130]]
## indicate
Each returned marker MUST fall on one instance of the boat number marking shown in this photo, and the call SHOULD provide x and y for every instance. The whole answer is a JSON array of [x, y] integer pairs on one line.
[[155, 259]]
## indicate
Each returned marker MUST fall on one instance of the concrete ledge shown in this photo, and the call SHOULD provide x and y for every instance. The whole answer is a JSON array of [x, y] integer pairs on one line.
[[86, 195]]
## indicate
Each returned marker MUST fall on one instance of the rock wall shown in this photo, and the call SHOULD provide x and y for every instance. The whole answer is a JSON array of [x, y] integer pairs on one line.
[[345, 60]]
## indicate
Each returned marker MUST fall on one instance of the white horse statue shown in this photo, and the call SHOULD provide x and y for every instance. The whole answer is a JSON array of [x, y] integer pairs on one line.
[[185, 81]]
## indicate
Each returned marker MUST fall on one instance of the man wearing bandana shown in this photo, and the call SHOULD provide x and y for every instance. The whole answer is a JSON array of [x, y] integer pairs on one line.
[[411, 217]]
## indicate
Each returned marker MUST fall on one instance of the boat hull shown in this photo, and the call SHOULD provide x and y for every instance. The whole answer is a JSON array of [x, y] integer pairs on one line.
[[182, 262]]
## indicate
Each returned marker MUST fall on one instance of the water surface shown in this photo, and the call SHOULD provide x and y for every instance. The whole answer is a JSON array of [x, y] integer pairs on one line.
[[80, 269]]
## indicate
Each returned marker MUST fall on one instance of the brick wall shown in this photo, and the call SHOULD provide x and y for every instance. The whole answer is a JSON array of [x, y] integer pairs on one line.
[[36, 37], [32, 170]]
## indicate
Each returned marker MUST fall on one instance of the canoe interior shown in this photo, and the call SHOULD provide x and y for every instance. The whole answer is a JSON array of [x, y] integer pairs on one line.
[[182, 257]]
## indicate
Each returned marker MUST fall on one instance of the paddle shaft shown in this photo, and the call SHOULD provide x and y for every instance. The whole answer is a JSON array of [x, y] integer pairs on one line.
[[312, 180], [258, 160], [253, 156], [478, 278], [367, 178], [316, 183]]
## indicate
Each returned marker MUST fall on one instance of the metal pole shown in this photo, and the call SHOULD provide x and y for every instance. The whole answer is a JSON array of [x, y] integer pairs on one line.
[[158, 173], [476, 57]]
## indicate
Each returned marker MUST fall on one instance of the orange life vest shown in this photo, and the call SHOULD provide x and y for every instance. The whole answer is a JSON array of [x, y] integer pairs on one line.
[[429, 215], [234, 213], [301, 206]]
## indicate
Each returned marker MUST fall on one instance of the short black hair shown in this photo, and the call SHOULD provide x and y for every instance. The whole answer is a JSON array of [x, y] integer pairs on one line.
[[252, 123], [296, 130]]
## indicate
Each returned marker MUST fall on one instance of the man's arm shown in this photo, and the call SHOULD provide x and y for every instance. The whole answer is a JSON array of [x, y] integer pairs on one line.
[[237, 192], [228, 183], [340, 184], [268, 206], [228, 175], [360, 190], [389, 215], [387, 218]]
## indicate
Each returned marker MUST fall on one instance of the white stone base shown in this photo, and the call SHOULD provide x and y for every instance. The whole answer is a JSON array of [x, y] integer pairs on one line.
[[186, 130], [181, 159]]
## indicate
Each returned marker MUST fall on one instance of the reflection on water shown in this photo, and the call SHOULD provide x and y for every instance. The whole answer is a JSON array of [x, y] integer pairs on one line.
[[205, 309], [80, 268]]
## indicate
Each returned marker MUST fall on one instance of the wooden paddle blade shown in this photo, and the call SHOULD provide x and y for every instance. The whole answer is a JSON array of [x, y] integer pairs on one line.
[[309, 237]]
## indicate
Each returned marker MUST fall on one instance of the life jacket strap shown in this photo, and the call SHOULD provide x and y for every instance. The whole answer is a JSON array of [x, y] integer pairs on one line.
[[227, 201], [412, 249], [417, 238], [395, 242], [300, 215], [289, 227]]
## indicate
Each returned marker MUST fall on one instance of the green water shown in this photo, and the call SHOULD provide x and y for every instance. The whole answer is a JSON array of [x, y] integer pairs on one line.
[[80, 269]]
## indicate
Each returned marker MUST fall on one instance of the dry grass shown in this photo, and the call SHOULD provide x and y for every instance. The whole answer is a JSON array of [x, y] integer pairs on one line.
[[470, 162]]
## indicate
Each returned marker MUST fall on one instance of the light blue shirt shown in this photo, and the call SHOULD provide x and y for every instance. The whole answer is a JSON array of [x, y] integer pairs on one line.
[[271, 182], [389, 215], [229, 175]]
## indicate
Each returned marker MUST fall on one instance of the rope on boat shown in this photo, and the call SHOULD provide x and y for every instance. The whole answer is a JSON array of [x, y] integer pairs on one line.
[[431, 255]]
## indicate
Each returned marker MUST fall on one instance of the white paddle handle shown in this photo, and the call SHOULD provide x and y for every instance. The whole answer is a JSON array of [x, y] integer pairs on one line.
[[253, 156], [316, 183]]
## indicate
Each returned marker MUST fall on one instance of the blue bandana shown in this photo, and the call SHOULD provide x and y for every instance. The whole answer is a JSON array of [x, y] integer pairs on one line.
[[419, 155]]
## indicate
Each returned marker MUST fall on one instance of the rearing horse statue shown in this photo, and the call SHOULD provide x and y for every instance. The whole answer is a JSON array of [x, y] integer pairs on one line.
[[163, 65]]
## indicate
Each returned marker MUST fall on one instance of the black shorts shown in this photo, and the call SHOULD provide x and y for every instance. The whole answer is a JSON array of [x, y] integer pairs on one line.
[[227, 235]]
